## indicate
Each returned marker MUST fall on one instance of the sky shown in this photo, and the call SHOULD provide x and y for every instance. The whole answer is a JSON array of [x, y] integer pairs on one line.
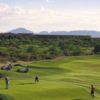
[[50, 15]]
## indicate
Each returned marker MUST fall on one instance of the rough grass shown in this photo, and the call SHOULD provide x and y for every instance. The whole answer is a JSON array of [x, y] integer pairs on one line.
[[60, 79]]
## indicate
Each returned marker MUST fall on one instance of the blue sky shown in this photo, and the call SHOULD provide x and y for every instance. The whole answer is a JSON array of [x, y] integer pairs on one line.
[[50, 15]]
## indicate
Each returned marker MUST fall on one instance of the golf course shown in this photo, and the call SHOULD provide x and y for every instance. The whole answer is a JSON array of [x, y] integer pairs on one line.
[[63, 78]]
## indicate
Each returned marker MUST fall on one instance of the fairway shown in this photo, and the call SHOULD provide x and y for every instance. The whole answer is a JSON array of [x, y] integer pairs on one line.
[[67, 78]]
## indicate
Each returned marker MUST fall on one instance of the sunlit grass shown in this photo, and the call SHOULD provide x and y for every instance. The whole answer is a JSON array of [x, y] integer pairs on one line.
[[65, 79]]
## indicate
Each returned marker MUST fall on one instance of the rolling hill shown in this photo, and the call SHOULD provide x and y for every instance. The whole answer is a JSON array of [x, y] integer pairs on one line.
[[60, 79]]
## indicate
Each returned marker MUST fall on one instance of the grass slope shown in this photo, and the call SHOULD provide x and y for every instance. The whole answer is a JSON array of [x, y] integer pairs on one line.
[[61, 79]]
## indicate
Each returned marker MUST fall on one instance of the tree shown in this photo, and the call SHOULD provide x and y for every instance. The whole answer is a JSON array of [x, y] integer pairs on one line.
[[97, 49]]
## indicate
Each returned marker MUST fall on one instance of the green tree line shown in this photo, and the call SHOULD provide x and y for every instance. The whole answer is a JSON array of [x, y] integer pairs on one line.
[[29, 47]]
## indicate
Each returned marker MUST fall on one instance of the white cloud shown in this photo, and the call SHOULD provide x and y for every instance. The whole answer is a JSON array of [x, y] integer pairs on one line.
[[42, 9], [4, 7], [46, 19]]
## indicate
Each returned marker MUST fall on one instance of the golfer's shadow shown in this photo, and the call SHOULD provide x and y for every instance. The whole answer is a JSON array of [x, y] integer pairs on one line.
[[27, 83]]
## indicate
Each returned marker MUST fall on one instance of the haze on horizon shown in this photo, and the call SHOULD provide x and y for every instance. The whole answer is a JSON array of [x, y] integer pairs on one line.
[[50, 15]]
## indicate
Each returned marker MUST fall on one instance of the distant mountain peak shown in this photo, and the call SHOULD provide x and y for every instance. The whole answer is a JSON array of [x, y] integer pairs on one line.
[[21, 30]]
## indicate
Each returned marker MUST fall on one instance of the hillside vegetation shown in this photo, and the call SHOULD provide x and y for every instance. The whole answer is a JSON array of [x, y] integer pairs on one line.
[[29, 47]]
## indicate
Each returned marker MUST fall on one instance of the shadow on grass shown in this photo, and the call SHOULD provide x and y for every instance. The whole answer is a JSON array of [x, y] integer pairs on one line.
[[27, 83], [97, 91], [52, 69], [41, 67], [6, 97]]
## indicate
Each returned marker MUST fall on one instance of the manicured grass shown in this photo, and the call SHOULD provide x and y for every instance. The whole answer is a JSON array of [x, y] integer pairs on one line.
[[60, 79]]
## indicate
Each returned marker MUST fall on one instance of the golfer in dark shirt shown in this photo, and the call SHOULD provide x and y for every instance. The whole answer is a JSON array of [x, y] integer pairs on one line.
[[36, 79], [92, 90]]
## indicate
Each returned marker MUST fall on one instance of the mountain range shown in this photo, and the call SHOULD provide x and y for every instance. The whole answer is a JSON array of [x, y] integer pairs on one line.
[[95, 34]]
